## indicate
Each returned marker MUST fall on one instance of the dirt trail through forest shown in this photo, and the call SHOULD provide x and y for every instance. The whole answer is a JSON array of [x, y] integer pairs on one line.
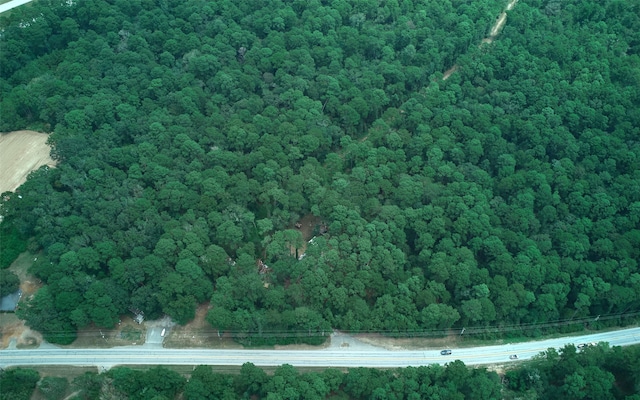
[[502, 19], [20, 153], [493, 34]]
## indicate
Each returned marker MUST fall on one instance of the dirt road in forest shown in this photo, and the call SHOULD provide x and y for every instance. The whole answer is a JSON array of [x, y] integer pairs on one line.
[[493, 34], [502, 19], [20, 153]]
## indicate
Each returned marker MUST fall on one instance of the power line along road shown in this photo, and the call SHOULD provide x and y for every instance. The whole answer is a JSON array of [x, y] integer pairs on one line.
[[333, 357]]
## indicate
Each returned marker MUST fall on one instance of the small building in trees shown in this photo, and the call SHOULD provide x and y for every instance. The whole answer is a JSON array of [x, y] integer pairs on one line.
[[138, 315]]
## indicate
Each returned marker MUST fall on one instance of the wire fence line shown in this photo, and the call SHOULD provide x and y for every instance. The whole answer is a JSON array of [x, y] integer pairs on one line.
[[465, 331]]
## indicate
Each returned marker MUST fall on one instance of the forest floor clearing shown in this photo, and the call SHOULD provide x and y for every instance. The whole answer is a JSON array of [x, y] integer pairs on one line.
[[20, 153], [307, 225]]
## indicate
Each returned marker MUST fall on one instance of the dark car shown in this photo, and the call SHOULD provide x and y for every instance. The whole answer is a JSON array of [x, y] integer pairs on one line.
[[445, 352]]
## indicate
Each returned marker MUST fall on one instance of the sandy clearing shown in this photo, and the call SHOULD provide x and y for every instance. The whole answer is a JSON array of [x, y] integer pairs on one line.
[[20, 153]]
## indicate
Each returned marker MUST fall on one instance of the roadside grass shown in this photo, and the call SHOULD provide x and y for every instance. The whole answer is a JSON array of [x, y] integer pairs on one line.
[[126, 333], [461, 341], [184, 338], [68, 371], [186, 370], [130, 333]]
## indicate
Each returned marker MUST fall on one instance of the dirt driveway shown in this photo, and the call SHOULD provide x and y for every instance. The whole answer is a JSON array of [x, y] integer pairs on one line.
[[20, 153]]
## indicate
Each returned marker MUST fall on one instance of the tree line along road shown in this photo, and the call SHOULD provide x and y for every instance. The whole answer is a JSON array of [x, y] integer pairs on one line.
[[342, 357]]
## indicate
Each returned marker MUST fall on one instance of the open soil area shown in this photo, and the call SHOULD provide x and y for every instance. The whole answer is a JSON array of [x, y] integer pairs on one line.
[[410, 343], [20, 153]]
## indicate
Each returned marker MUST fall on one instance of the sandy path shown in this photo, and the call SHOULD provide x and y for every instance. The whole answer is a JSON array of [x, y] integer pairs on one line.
[[20, 153], [502, 19], [449, 72], [495, 31]]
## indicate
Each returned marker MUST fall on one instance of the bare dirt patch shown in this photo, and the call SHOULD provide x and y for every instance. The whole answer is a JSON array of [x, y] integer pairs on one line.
[[10, 327], [13, 328], [20, 153], [453, 340], [408, 343], [324, 345]]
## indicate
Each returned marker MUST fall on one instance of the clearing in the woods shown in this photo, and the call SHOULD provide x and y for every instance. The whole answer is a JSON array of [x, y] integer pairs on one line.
[[20, 153]]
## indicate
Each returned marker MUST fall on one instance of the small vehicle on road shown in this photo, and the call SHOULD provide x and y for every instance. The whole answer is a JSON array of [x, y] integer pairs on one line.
[[583, 345], [445, 352], [513, 357]]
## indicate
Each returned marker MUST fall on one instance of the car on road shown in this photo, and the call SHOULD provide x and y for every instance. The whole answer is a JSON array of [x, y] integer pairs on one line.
[[445, 352], [583, 345], [513, 357]]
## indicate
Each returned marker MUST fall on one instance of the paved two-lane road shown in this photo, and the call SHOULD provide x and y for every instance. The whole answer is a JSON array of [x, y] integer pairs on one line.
[[12, 4], [333, 357]]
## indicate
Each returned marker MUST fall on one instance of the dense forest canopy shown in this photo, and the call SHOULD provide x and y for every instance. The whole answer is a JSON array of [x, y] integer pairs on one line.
[[594, 373], [192, 135]]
